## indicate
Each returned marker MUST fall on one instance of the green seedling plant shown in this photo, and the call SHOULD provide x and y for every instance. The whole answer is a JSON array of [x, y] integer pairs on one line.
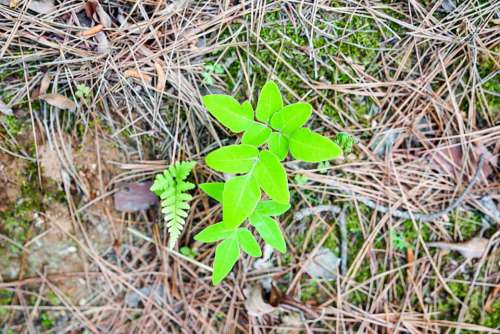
[[209, 71], [399, 241], [257, 191], [172, 188], [83, 91], [345, 141]]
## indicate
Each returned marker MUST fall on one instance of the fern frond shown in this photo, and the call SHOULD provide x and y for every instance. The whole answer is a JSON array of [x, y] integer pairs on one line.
[[171, 186]]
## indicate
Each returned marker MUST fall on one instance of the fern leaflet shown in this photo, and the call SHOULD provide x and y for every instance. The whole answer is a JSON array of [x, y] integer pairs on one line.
[[171, 186]]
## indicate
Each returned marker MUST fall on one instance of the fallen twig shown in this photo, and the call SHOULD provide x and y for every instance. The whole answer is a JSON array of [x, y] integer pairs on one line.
[[343, 242], [314, 211]]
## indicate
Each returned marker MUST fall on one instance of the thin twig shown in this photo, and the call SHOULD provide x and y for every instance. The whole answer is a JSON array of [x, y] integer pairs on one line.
[[343, 242], [314, 211]]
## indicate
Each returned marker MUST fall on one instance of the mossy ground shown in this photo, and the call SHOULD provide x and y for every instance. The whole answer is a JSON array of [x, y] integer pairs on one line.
[[299, 57], [283, 47]]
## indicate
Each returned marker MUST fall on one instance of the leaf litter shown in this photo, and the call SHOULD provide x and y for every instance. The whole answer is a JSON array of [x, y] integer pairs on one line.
[[398, 166]]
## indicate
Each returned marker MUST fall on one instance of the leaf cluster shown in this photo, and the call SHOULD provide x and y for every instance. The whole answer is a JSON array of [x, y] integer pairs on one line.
[[258, 190], [171, 186]]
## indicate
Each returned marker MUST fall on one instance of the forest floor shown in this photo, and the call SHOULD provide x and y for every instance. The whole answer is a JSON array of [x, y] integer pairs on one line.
[[96, 97]]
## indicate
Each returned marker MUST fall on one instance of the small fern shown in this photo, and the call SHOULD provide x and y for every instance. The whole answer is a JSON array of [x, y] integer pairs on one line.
[[171, 186]]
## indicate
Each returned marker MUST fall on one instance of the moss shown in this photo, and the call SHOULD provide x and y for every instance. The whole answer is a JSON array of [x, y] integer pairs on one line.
[[6, 298], [298, 239], [492, 319], [46, 320], [52, 298], [411, 235], [449, 309], [355, 37], [486, 67], [468, 226], [14, 126], [309, 291], [19, 215], [358, 298]]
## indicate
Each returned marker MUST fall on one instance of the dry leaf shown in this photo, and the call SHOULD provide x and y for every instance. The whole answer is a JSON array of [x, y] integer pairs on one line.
[[323, 265], [263, 264], [134, 197], [104, 18], [255, 304], [5, 109], [92, 31], [59, 101], [90, 7], [103, 45], [137, 74], [42, 7], [473, 248], [291, 324], [490, 208], [160, 78], [45, 83], [451, 159]]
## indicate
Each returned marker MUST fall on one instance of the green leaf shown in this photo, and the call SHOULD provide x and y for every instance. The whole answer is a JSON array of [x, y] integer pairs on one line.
[[241, 195], [233, 158], [248, 242], [291, 117], [213, 189], [226, 255], [271, 208], [278, 144], [309, 146], [256, 135], [269, 230], [272, 178], [229, 112], [270, 101], [172, 189], [213, 233], [345, 141], [247, 109]]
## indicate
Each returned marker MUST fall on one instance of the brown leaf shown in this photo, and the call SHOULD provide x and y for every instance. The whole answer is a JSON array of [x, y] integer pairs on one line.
[[323, 265], [45, 83], [103, 45], [5, 109], [451, 159], [90, 7], [92, 31], [39, 6], [42, 7], [137, 74], [473, 248], [134, 197], [160, 77], [255, 304], [59, 101]]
